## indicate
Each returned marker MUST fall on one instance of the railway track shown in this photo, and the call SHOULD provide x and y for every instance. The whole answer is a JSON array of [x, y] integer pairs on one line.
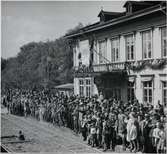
[[5, 149], [63, 141]]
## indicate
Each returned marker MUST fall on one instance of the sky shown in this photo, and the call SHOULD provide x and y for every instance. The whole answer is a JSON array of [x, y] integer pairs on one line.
[[33, 21]]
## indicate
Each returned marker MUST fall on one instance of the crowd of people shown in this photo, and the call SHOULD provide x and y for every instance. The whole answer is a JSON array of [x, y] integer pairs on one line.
[[103, 123]]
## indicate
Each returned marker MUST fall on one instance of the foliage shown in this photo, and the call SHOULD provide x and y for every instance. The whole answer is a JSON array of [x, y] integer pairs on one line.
[[78, 27], [39, 64], [3, 63], [140, 65]]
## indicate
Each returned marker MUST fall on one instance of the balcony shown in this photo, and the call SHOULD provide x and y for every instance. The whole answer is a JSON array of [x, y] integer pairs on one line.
[[131, 65], [119, 66]]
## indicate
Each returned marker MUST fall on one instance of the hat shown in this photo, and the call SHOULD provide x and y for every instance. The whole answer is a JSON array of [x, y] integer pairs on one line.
[[147, 115], [132, 114]]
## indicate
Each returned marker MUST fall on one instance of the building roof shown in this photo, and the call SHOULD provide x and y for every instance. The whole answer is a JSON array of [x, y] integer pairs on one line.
[[120, 19], [109, 13], [67, 86], [138, 3], [105, 15]]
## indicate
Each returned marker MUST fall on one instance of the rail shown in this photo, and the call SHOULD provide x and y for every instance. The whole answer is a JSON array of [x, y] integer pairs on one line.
[[5, 149], [119, 66], [109, 67]]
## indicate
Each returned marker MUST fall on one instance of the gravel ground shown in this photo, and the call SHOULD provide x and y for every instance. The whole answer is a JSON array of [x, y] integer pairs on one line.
[[43, 136]]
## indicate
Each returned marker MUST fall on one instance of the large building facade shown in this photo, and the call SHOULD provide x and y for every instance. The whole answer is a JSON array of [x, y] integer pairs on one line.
[[124, 55]]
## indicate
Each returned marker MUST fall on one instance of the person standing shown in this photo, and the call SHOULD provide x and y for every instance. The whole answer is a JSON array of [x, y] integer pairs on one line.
[[133, 137], [106, 135], [84, 127], [121, 127], [112, 123], [75, 119], [145, 131], [128, 128], [99, 125], [162, 140], [41, 111]]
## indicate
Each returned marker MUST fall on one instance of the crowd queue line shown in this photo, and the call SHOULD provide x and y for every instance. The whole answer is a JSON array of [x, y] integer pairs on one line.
[[103, 123]]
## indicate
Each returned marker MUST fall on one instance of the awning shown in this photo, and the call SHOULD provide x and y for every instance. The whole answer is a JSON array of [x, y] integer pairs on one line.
[[68, 86], [163, 78], [131, 78], [146, 78]]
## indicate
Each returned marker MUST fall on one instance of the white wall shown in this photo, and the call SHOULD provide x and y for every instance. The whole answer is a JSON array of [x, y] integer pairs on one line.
[[156, 44], [108, 50], [157, 84], [138, 46], [122, 49], [83, 47]]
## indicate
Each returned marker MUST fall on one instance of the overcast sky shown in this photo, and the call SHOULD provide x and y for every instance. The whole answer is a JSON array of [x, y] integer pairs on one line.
[[24, 22]]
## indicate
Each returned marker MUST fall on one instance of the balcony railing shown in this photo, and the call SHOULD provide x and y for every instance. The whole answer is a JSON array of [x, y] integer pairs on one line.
[[109, 67], [133, 65], [121, 66]]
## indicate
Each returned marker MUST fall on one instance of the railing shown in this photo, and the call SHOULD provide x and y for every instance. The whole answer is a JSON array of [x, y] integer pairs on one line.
[[134, 65], [100, 68], [120, 66], [109, 67]]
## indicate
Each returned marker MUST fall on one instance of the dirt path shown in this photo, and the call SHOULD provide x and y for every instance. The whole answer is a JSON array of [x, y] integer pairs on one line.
[[43, 136]]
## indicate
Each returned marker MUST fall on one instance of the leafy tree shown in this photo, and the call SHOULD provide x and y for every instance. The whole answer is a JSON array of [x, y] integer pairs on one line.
[[39, 63], [3, 63]]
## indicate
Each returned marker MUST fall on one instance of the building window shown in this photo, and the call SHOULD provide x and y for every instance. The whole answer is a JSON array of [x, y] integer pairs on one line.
[[81, 87], [85, 87], [115, 50], [147, 91], [164, 42], [129, 9], [129, 41], [164, 93], [147, 44], [102, 51], [88, 87], [131, 91]]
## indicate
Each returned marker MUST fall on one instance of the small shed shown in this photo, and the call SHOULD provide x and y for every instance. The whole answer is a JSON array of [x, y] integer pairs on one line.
[[66, 89]]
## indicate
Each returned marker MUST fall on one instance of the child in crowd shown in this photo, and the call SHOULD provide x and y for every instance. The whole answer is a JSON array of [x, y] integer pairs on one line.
[[133, 137], [155, 136], [161, 143], [93, 134]]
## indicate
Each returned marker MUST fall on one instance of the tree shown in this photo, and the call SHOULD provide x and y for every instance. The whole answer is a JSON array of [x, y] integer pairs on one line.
[[75, 29], [37, 62], [3, 63]]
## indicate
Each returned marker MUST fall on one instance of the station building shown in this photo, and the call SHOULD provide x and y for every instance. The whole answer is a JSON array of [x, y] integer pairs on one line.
[[124, 55]]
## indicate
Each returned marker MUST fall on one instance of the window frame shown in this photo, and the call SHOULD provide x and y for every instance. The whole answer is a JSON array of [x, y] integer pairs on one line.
[[88, 87], [81, 86], [146, 45], [85, 89], [148, 88], [163, 90], [113, 56], [103, 54], [162, 46], [133, 40]]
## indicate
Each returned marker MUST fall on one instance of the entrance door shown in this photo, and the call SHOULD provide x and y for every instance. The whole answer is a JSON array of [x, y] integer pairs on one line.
[[113, 93]]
